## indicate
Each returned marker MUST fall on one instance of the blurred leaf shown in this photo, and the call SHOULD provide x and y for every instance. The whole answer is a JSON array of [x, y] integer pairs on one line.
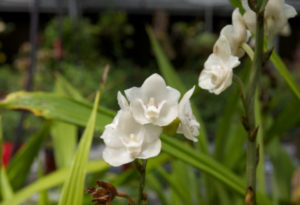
[[19, 167], [64, 135], [283, 71], [185, 176], [174, 80], [6, 189], [51, 180], [283, 168], [164, 65], [174, 185], [64, 88], [202, 162], [237, 4], [64, 142], [286, 120], [43, 195], [235, 151], [155, 185], [225, 124], [72, 192], [51, 106]]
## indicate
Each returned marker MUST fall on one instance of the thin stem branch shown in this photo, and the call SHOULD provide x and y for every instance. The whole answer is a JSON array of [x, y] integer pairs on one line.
[[251, 128], [141, 168], [240, 83], [126, 196], [248, 50]]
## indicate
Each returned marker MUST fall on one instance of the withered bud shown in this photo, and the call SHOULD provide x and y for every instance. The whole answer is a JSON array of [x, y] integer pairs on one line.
[[104, 194]]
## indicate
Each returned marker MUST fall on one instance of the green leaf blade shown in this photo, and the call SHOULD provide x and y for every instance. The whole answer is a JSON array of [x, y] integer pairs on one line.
[[72, 192]]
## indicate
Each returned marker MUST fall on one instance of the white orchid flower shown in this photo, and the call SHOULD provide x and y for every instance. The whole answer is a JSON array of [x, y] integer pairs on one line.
[[188, 125], [277, 13], [126, 140], [236, 34], [153, 102], [217, 73]]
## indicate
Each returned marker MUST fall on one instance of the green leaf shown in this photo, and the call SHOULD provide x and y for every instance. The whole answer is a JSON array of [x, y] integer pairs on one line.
[[237, 4], [283, 71], [203, 162], [64, 137], [156, 186], [72, 192], [6, 189], [283, 168], [43, 195], [180, 191], [20, 164], [51, 106], [64, 88], [286, 120], [51, 180]]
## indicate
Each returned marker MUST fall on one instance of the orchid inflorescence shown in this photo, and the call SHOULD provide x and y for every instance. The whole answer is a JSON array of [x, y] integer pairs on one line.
[[218, 68], [145, 111]]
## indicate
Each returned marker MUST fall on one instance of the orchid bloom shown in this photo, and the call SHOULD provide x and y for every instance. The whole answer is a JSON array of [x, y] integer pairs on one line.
[[188, 125], [153, 102], [277, 13], [217, 73], [126, 140], [236, 34]]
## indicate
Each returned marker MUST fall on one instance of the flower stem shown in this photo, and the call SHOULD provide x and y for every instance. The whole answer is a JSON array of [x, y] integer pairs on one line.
[[248, 50], [141, 168], [249, 121]]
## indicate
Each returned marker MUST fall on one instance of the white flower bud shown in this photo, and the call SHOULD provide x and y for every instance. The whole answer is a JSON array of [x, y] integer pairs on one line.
[[188, 125], [217, 73]]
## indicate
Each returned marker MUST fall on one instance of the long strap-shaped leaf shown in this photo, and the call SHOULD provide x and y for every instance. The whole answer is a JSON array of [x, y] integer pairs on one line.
[[282, 69], [72, 192], [20, 165], [5, 187]]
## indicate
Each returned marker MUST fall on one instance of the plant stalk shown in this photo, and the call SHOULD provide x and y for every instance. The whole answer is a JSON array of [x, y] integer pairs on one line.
[[250, 126], [141, 168]]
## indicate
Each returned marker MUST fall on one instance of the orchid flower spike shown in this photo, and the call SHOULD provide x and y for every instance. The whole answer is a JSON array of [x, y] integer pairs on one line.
[[217, 73], [236, 34], [277, 13], [153, 102], [188, 125]]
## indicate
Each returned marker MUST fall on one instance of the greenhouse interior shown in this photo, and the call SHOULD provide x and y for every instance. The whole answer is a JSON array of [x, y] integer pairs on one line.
[[150, 102]]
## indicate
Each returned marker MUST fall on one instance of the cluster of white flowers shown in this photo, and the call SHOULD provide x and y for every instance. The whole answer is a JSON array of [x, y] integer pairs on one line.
[[217, 73], [218, 68], [135, 131], [276, 15]]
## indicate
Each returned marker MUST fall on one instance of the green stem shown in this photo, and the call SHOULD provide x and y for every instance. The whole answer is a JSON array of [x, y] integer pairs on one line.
[[250, 112], [248, 50], [141, 168]]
